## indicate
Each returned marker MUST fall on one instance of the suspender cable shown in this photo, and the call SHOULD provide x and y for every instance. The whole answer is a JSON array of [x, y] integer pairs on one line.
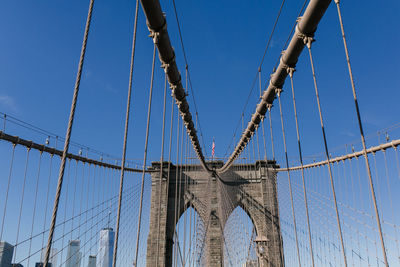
[[307, 25], [34, 205], [185, 182], [145, 155], [68, 135], [161, 168], [278, 92], [308, 41], [176, 180], [378, 221], [169, 155], [272, 135], [128, 105], [22, 200], [188, 74], [157, 25], [47, 198], [291, 70]]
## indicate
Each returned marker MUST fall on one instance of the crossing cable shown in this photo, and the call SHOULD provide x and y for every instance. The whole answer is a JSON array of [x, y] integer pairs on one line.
[[178, 249], [145, 154], [397, 162], [128, 105], [157, 26], [278, 92], [362, 203], [306, 25], [361, 133], [390, 200], [308, 40], [81, 198], [7, 191], [320, 198], [66, 203], [34, 205], [22, 200], [93, 236], [227, 215], [59, 224], [73, 201], [291, 70], [47, 196], [68, 135]]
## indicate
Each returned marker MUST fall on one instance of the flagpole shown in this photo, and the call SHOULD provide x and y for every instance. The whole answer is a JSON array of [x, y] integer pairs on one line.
[[213, 149]]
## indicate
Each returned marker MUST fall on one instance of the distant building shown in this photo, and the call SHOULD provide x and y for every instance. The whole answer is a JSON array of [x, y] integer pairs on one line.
[[250, 263], [106, 248], [6, 253], [73, 254], [53, 257], [92, 261]]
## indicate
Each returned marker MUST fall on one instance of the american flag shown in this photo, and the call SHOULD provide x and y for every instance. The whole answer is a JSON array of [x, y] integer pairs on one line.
[[213, 149]]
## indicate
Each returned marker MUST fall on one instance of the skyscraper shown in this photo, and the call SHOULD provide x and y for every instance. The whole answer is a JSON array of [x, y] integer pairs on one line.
[[53, 257], [73, 254], [92, 261], [6, 253], [106, 248]]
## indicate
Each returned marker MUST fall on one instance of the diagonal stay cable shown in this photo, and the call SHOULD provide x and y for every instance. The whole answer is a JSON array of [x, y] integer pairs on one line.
[[259, 69], [260, 65], [145, 155], [68, 134], [360, 125], [307, 25], [128, 104], [188, 73], [157, 26]]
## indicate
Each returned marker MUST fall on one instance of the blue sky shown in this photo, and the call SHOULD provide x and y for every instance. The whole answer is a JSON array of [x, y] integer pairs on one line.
[[224, 42]]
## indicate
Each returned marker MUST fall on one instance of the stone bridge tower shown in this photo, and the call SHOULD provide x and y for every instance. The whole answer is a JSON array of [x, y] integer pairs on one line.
[[214, 197]]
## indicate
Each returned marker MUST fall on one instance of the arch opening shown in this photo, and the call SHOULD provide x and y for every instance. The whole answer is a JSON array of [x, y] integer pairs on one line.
[[188, 239], [239, 235]]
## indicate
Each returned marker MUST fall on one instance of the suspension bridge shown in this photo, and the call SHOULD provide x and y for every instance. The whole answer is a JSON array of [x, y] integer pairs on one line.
[[281, 195]]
